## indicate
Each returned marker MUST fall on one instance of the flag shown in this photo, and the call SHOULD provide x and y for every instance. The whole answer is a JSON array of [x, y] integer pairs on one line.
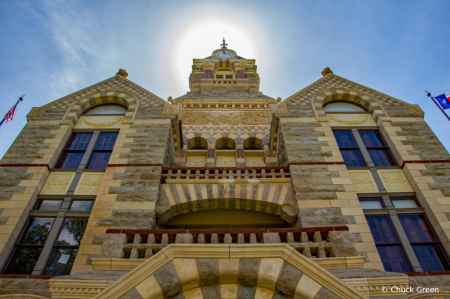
[[9, 116], [444, 100]]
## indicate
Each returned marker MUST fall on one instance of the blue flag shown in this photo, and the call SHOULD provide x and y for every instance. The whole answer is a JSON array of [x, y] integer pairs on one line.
[[444, 100]]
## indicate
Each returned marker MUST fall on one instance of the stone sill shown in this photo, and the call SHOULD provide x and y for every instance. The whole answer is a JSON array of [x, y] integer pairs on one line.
[[427, 273], [130, 264]]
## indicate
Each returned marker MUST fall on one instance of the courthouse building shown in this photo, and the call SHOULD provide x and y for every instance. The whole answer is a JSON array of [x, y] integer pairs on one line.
[[338, 191]]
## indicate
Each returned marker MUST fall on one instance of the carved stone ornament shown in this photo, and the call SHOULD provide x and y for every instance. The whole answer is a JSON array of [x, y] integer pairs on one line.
[[363, 181], [279, 108], [170, 109], [413, 108], [356, 121], [395, 181], [326, 71], [224, 118], [89, 183], [255, 118], [57, 183], [194, 118], [122, 73], [95, 121]]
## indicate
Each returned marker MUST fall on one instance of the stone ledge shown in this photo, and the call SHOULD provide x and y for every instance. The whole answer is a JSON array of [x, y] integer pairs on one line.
[[130, 264], [68, 288]]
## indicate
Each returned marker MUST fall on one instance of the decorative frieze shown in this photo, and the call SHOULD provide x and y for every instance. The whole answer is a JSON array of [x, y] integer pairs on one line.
[[225, 117]]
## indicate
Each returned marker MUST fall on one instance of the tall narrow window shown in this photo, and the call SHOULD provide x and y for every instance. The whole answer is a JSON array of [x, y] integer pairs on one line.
[[378, 150], [349, 148], [66, 246], [73, 151], [388, 244], [29, 246], [424, 243], [102, 151]]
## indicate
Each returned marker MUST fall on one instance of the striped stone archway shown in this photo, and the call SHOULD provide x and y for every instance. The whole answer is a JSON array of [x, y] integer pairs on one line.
[[104, 97], [346, 95], [273, 196]]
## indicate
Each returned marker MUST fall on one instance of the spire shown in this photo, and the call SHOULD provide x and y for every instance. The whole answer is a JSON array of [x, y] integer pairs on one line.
[[223, 44]]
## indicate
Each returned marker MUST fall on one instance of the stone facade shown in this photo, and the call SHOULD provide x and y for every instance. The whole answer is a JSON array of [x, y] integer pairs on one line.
[[272, 166]]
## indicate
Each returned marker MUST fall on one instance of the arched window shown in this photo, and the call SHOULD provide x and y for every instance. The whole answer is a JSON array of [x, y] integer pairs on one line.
[[225, 143], [252, 143], [107, 109], [198, 143], [343, 107]]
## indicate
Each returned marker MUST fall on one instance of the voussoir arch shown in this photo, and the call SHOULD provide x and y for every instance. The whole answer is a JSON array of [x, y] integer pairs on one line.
[[346, 95], [103, 97]]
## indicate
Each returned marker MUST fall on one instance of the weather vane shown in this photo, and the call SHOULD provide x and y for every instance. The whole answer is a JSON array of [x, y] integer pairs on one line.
[[224, 44]]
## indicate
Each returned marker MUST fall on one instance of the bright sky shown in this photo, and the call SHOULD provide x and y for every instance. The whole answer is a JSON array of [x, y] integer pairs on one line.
[[50, 49]]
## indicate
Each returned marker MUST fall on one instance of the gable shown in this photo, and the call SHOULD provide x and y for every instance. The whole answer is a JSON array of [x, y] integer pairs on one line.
[[301, 103]]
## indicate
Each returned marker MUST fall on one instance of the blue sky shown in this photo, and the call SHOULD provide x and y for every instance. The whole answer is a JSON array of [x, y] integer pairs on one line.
[[52, 48]]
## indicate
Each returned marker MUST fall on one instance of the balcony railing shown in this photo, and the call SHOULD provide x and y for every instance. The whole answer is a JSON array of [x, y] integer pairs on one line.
[[311, 242], [199, 173]]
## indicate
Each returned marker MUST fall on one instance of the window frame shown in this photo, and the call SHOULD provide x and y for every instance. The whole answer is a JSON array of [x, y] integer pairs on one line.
[[400, 229], [62, 158]]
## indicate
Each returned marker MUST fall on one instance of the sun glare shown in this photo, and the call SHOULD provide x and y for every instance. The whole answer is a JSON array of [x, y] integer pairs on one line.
[[199, 37]]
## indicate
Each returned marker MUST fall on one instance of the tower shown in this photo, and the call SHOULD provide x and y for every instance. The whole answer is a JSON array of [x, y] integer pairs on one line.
[[338, 191]]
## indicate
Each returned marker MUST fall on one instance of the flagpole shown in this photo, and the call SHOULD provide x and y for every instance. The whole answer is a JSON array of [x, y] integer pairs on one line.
[[439, 106]]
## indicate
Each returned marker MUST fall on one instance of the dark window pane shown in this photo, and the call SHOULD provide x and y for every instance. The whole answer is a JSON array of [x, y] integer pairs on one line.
[[371, 138], [99, 161], [62, 261], [82, 205], [106, 141], [393, 259], [48, 205], [352, 158], [431, 258], [80, 141], [344, 139], [381, 229], [381, 157], [72, 232], [36, 231], [23, 260], [70, 160], [417, 229]]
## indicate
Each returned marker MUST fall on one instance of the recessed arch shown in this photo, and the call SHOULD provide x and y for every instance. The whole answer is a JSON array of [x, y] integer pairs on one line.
[[252, 143], [226, 218], [120, 97], [346, 95], [225, 143], [198, 143]]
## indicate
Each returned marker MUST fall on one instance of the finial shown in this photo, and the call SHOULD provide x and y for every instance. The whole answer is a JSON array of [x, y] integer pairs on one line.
[[122, 73], [223, 44], [278, 99], [326, 71], [169, 99]]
